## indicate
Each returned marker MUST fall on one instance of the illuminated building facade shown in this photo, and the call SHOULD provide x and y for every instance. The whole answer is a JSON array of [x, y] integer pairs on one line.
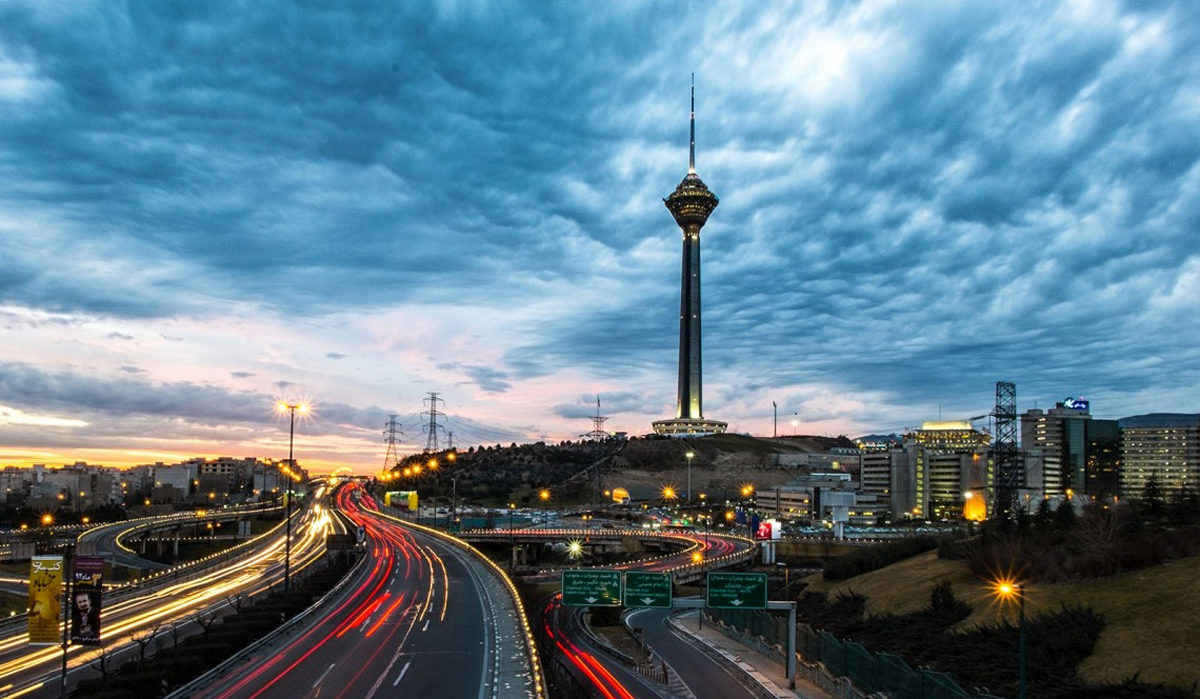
[[943, 462], [1077, 453], [690, 204], [1164, 447]]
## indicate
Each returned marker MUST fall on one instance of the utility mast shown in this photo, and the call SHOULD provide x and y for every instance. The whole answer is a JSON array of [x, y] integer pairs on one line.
[[1005, 456], [431, 441], [393, 429], [597, 424]]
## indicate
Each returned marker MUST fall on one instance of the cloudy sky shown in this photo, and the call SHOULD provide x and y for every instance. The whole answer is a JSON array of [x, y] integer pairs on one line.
[[208, 207]]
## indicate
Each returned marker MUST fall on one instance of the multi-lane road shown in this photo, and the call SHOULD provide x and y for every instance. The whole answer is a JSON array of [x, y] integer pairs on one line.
[[425, 617]]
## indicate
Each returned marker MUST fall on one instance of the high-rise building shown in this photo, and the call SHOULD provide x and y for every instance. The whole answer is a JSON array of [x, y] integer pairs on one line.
[[1078, 453], [1164, 447], [944, 461], [690, 204]]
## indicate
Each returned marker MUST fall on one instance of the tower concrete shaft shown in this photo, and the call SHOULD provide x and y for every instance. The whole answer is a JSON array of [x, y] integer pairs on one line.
[[689, 400]]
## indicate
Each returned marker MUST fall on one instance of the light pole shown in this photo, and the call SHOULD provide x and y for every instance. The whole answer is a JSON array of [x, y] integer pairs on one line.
[[512, 539], [689, 456], [1007, 590], [291, 408]]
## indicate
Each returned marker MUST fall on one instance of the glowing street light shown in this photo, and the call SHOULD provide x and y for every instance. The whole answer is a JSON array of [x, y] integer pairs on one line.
[[1006, 590], [291, 409]]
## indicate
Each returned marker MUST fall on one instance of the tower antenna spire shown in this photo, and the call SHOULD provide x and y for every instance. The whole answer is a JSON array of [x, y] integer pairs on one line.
[[692, 147]]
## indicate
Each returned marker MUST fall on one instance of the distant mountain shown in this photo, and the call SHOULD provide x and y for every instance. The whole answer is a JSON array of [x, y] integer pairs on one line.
[[1160, 420]]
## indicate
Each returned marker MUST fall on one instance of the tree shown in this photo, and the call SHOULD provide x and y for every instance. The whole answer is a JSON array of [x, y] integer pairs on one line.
[[1184, 507], [1064, 515], [944, 608], [143, 639], [1153, 503], [1042, 517], [103, 663]]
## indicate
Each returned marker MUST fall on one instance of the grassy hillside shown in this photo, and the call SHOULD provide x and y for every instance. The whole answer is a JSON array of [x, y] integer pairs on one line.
[[1151, 613]]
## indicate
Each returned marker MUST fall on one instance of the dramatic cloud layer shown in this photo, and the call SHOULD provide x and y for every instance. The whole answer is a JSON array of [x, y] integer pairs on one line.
[[210, 206]]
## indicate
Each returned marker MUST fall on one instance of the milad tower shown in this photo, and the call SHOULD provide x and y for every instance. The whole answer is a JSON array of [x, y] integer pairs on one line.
[[690, 204]]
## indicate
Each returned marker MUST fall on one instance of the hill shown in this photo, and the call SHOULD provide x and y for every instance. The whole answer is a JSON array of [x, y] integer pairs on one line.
[[720, 466], [1150, 613]]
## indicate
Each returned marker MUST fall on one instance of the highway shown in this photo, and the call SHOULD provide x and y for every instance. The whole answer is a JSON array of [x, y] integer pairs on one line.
[[703, 677], [162, 602], [425, 617]]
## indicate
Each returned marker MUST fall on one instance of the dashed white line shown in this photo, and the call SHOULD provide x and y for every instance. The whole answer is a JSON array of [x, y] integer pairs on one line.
[[401, 675], [323, 675]]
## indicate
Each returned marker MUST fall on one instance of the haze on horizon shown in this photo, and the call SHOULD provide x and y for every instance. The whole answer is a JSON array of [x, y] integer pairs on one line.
[[210, 207]]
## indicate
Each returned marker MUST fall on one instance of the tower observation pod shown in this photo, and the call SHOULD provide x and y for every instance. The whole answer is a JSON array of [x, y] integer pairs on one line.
[[691, 204]]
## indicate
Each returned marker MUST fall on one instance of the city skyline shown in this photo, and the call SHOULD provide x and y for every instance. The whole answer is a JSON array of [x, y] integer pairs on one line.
[[210, 209]]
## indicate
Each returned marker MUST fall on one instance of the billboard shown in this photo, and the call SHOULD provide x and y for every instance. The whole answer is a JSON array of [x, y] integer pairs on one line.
[[768, 530], [45, 599], [404, 499], [87, 582]]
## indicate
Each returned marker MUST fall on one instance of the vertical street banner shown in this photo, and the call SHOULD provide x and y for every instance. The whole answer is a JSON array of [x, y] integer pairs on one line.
[[87, 582], [45, 599]]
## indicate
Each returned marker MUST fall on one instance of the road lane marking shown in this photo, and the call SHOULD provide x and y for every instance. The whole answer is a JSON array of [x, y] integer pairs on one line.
[[426, 626], [401, 675], [323, 675]]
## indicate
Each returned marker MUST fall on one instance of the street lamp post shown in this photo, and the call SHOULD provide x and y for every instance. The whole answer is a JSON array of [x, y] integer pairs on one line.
[[1008, 589], [689, 456], [287, 495], [512, 539], [1021, 641]]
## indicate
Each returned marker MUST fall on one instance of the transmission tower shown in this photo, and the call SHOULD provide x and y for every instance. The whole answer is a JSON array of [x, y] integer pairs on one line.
[[393, 429], [431, 442], [597, 424], [1005, 456]]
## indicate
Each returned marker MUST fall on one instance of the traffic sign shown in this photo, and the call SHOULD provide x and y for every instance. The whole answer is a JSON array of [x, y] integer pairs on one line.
[[589, 587], [737, 591], [648, 590]]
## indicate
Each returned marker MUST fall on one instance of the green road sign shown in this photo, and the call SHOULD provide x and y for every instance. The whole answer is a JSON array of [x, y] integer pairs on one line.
[[587, 587], [648, 590], [737, 591]]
